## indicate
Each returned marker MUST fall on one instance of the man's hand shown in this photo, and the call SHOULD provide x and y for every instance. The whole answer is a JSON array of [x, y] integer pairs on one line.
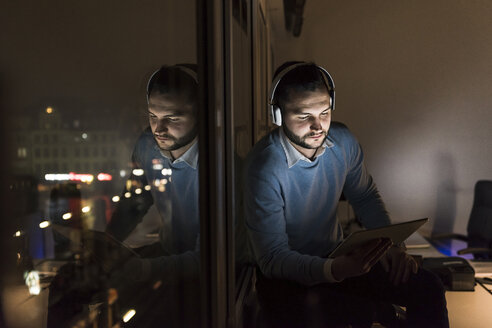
[[360, 260], [137, 269], [399, 264], [133, 270]]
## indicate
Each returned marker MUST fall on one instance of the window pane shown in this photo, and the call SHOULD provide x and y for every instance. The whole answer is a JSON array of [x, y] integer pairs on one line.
[[106, 223]]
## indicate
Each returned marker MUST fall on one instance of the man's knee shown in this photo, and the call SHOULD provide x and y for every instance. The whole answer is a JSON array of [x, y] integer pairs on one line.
[[429, 283], [428, 302]]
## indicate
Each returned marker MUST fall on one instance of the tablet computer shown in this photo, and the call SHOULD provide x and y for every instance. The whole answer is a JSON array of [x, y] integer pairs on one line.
[[396, 232]]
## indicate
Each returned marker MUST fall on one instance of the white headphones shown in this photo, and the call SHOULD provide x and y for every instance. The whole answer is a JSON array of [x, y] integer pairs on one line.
[[275, 111], [181, 67]]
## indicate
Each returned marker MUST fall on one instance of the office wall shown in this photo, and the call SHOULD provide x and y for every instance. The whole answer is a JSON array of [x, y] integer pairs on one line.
[[414, 82]]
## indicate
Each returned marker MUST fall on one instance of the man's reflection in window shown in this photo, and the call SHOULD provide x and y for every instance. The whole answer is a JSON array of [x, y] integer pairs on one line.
[[159, 286], [165, 173]]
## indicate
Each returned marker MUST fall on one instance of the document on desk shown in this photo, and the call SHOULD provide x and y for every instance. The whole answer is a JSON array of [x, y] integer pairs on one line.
[[396, 232], [416, 241], [483, 269]]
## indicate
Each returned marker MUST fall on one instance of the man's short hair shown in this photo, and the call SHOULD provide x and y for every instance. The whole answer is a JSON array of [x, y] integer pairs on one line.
[[178, 79], [302, 78]]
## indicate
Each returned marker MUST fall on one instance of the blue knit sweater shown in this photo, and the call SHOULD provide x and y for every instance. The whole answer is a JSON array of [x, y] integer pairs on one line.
[[291, 212], [176, 201]]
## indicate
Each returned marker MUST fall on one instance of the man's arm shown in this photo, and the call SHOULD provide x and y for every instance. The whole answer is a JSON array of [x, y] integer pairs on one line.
[[360, 189], [267, 231], [266, 227], [167, 268], [130, 211], [368, 205]]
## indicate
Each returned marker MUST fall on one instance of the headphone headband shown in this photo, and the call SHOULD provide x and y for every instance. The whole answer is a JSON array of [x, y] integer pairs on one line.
[[275, 111], [190, 72]]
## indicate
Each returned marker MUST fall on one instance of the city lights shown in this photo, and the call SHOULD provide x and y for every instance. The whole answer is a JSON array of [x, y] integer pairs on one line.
[[167, 172], [57, 177], [86, 209], [138, 191], [122, 173], [115, 199], [128, 194], [160, 184], [157, 284], [87, 178], [49, 110], [138, 172], [147, 187], [84, 136], [32, 282], [104, 177], [44, 224], [129, 315], [157, 164], [18, 233], [67, 216], [112, 296]]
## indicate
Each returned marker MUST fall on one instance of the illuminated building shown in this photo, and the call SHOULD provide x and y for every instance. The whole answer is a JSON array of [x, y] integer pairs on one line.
[[53, 145]]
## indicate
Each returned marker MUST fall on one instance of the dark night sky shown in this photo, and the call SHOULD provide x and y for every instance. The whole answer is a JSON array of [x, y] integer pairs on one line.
[[89, 55]]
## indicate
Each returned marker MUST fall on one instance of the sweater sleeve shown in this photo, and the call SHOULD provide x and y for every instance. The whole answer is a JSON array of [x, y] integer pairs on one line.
[[130, 211], [184, 266], [360, 189], [169, 269], [266, 227]]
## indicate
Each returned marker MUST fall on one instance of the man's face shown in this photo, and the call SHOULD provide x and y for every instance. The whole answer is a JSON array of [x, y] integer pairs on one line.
[[172, 120], [306, 118]]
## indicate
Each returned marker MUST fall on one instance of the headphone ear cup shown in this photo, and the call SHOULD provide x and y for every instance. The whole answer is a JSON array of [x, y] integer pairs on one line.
[[276, 115], [332, 100]]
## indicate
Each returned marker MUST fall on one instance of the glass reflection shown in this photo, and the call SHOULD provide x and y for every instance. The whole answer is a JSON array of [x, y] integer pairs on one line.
[[75, 111], [168, 147]]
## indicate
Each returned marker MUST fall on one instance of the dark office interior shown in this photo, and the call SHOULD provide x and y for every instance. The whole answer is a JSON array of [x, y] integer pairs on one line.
[[413, 83]]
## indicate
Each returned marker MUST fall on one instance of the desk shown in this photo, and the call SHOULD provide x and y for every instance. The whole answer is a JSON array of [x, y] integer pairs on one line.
[[470, 309], [465, 309]]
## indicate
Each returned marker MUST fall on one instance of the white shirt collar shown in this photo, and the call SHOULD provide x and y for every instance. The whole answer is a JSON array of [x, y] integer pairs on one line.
[[293, 155], [190, 156]]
